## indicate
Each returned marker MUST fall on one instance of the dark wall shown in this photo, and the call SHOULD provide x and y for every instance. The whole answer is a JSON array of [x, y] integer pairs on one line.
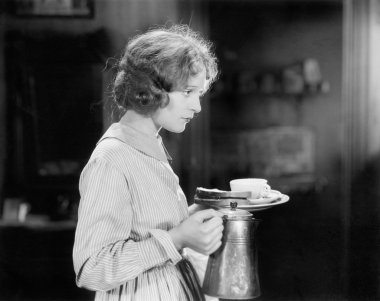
[[35, 256], [302, 241]]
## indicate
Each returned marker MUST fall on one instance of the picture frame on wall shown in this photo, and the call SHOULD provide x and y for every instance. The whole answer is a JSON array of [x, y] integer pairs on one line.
[[54, 8]]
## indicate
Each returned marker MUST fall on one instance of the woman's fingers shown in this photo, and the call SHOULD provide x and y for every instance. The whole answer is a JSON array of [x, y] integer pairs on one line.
[[214, 244], [212, 223], [202, 232], [216, 234], [206, 215], [215, 247], [212, 237]]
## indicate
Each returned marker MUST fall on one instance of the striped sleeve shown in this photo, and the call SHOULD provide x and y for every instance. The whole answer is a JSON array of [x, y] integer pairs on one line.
[[104, 255]]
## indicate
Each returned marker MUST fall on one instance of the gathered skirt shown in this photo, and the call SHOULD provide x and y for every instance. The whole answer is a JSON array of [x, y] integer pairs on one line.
[[163, 283]]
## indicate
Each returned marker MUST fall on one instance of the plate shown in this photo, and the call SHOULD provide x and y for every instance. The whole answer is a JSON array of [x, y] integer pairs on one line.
[[284, 198], [272, 196], [241, 203]]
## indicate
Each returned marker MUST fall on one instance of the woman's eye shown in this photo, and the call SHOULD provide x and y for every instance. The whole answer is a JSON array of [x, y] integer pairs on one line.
[[189, 92]]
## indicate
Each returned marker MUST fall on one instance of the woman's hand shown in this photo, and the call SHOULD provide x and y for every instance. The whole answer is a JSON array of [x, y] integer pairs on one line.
[[201, 232], [196, 207]]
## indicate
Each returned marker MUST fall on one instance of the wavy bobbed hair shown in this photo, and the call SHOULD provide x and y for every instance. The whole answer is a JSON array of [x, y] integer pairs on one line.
[[158, 62]]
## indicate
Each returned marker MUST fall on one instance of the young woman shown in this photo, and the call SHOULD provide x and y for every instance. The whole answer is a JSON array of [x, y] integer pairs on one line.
[[133, 220]]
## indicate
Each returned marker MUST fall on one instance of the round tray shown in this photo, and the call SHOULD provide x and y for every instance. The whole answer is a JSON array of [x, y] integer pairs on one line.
[[241, 203]]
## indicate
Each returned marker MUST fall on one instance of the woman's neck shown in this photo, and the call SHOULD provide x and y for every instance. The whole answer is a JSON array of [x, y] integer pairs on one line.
[[143, 123]]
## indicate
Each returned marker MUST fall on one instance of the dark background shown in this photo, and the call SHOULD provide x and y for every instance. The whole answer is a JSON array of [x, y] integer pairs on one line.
[[318, 145]]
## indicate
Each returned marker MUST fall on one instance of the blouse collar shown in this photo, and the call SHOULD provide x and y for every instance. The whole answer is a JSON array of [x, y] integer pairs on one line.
[[150, 145]]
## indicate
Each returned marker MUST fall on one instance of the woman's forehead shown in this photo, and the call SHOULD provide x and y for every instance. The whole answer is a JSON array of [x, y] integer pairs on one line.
[[198, 79]]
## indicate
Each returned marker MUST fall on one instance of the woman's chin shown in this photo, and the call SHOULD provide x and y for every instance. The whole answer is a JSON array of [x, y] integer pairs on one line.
[[176, 130]]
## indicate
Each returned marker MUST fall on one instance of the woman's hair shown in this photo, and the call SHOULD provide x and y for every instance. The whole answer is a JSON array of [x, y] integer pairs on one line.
[[158, 62]]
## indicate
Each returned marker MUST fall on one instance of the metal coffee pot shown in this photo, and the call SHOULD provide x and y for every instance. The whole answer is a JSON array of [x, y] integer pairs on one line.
[[232, 271]]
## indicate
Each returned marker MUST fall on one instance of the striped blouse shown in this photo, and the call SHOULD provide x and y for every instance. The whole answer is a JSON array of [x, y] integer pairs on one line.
[[130, 198]]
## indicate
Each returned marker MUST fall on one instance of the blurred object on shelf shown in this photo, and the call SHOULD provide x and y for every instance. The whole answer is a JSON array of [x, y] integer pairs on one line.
[[278, 151], [59, 168], [15, 210], [54, 8], [312, 72], [268, 83], [292, 80], [284, 152], [246, 82], [302, 78], [302, 183]]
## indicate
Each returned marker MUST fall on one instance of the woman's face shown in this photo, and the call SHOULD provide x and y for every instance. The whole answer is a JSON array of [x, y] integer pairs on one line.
[[182, 105]]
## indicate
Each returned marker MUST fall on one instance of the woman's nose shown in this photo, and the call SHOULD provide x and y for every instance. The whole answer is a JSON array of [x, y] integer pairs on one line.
[[196, 104]]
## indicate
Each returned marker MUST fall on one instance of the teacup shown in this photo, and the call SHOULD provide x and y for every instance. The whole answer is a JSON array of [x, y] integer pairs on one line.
[[258, 187]]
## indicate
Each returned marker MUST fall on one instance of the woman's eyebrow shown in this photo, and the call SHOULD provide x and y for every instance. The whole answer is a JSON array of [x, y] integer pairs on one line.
[[194, 86]]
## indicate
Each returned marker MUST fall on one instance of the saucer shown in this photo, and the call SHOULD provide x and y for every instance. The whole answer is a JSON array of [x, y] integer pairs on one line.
[[258, 207], [270, 197]]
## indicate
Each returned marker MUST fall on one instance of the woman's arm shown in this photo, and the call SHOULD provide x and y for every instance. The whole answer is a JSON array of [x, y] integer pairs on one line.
[[104, 255]]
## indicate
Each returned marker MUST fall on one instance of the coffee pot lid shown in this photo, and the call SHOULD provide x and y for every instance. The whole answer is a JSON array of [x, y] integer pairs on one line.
[[233, 212]]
